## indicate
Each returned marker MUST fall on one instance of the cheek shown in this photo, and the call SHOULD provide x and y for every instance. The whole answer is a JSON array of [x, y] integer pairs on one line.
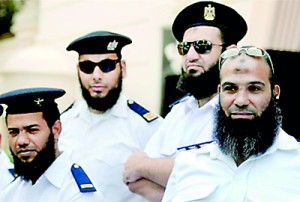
[[226, 100], [84, 78], [12, 143], [262, 105], [183, 62]]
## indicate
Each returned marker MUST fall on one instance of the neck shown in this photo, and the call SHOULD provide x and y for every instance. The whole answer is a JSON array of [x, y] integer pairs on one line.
[[239, 161], [203, 101], [96, 111]]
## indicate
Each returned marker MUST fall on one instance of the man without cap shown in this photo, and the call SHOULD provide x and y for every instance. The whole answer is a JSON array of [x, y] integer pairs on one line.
[[203, 30], [105, 125], [43, 172], [253, 158]]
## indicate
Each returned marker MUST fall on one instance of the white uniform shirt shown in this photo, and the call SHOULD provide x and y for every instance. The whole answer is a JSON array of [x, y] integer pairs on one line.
[[109, 138], [57, 184], [206, 174], [6, 176], [186, 124]]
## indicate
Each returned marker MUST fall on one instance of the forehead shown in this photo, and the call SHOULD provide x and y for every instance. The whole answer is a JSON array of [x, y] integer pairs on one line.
[[98, 56], [245, 66], [25, 119], [202, 32]]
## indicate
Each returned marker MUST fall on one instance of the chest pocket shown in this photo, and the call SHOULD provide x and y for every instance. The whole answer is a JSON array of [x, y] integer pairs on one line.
[[201, 194], [114, 155]]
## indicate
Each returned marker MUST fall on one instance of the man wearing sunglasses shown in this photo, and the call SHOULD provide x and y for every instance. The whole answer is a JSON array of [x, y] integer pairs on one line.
[[204, 30], [105, 126], [252, 157]]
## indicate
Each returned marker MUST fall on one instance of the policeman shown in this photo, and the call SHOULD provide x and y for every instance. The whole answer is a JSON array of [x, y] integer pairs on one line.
[[43, 172], [203, 29], [105, 125]]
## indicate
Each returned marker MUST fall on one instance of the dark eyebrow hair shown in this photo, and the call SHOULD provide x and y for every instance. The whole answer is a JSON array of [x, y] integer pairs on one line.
[[26, 127]]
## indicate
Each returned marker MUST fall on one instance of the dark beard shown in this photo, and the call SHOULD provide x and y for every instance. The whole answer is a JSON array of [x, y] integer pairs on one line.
[[33, 170], [244, 138], [105, 103], [201, 86]]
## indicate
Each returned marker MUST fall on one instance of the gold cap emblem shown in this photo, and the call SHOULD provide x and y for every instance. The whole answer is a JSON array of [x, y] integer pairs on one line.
[[209, 13], [112, 45]]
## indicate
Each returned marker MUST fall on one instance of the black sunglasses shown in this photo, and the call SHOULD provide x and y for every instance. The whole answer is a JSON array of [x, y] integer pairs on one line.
[[106, 65], [201, 46]]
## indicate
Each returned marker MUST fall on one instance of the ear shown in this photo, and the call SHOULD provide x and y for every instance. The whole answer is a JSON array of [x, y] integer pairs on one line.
[[219, 88], [56, 129], [231, 46], [277, 91], [124, 68]]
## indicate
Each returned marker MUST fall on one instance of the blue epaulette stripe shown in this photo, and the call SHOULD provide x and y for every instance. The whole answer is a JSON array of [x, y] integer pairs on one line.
[[83, 181], [12, 171], [147, 115], [179, 100]]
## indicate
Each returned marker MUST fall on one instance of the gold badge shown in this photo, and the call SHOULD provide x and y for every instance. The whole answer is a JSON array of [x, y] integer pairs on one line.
[[209, 13], [112, 45]]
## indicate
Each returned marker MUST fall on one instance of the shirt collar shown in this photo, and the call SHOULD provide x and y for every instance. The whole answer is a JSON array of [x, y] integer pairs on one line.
[[119, 109]]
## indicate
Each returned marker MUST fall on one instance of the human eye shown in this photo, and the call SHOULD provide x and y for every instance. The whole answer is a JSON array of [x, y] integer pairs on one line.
[[32, 130], [229, 88], [255, 88], [13, 132]]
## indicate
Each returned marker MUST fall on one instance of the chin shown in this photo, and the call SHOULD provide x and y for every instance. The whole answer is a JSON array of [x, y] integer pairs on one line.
[[97, 95]]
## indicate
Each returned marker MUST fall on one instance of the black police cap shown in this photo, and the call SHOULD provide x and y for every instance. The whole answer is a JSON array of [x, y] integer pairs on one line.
[[210, 13], [99, 42], [29, 100]]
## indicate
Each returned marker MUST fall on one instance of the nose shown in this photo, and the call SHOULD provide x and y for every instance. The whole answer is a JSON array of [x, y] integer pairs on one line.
[[23, 139], [241, 99], [192, 54], [97, 73]]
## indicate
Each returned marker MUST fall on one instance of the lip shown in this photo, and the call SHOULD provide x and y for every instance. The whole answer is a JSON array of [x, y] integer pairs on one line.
[[97, 88], [25, 154], [194, 68], [242, 115]]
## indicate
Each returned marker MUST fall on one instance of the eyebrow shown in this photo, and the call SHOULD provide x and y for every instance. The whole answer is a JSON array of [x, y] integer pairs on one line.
[[26, 127], [250, 83]]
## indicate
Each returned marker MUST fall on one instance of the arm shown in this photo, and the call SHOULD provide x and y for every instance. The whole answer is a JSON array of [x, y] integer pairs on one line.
[[139, 165], [148, 189]]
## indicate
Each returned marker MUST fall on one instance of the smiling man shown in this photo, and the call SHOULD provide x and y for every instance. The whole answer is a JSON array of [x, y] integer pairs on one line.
[[252, 157]]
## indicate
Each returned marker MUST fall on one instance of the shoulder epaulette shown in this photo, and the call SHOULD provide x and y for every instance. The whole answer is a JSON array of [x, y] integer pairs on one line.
[[83, 181], [180, 100], [69, 107], [148, 116], [12, 171], [193, 146]]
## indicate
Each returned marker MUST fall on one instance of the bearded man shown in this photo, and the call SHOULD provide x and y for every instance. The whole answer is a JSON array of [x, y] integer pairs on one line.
[[252, 157], [43, 173]]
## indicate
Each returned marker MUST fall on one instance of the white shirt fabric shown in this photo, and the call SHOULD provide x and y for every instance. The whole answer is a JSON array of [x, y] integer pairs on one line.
[[107, 140], [206, 174], [57, 184], [186, 124], [5, 176]]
